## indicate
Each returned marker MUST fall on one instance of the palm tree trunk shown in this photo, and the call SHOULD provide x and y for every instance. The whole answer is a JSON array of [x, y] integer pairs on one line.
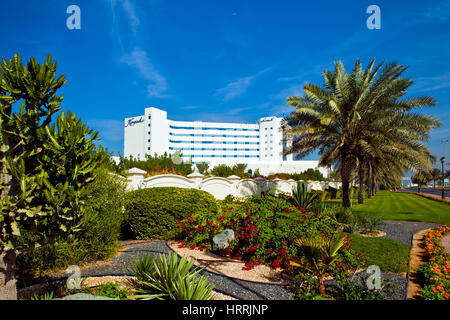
[[346, 170], [362, 173], [369, 182], [322, 287]]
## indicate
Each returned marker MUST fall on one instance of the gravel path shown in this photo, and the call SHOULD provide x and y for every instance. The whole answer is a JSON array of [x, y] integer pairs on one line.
[[401, 231], [239, 289]]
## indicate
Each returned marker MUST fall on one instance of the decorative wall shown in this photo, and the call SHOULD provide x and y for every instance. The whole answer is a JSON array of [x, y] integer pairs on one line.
[[217, 186]]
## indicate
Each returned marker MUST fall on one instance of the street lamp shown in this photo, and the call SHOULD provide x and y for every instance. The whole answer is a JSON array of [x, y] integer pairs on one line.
[[443, 177]]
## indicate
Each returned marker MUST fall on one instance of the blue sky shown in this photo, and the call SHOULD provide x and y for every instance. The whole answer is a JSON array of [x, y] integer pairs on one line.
[[225, 61]]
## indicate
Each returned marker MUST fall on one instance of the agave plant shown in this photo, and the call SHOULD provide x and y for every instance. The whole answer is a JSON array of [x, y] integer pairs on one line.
[[169, 278], [142, 265], [320, 252], [45, 296], [302, 197]]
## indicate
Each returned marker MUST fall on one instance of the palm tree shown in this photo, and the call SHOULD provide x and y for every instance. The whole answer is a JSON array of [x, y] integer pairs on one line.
[[239, 168], [353, 115], [388, 162], [421, 177], [436, 174], [320, 253]]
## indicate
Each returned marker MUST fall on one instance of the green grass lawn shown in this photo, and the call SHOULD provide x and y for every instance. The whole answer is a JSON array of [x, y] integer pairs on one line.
[[403, 206], [389, 255]]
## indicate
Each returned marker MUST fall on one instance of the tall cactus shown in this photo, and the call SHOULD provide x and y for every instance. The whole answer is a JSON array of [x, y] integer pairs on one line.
[[44, 168], [33, 87], [66, 166]]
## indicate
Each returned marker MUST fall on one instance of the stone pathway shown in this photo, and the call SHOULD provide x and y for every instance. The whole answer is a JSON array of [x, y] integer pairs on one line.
[[417, 257]]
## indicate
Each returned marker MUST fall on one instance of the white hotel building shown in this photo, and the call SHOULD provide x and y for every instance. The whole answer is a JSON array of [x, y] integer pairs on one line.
[[259, 145]]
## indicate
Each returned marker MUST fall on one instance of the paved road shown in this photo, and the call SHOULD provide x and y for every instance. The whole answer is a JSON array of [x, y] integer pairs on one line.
[[434, 192]]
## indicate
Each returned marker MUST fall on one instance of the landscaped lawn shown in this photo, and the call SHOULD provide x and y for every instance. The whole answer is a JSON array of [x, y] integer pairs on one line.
[[403, 206], [389, 255]]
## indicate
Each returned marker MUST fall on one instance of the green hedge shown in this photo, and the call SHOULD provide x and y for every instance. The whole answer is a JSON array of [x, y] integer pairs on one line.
[[153, 212]]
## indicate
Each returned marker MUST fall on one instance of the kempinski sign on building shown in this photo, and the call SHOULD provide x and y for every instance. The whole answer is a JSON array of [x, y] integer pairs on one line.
[[133, 121], [259, 145]]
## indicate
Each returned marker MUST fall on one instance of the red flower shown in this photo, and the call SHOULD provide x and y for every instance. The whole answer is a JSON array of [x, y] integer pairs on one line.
[[287, 210], [275, 264]]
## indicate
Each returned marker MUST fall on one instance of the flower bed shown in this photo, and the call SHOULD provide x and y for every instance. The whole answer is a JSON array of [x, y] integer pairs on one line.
[[265, 229], [435, 272]]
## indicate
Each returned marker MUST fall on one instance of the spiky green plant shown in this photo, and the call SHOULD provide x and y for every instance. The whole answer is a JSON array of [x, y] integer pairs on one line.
[[301, 196], [169, 278], [320, 252], [141, 266], [45, 296]]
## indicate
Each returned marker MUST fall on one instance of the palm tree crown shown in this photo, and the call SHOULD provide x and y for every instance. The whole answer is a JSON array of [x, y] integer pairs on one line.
[[359, 118]]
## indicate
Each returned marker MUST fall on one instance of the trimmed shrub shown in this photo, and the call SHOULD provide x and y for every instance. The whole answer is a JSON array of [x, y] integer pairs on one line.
[[153, 212]]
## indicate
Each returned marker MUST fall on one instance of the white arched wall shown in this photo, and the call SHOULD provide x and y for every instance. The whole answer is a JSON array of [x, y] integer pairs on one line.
[[217, 186]]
